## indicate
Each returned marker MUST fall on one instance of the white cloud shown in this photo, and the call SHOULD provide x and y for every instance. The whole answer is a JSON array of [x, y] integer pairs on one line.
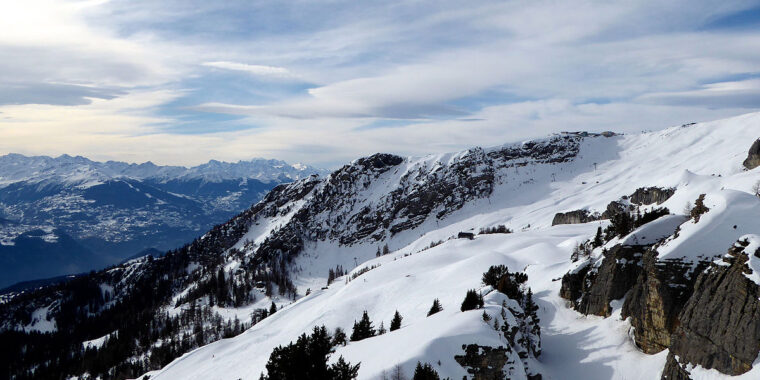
[[267, 71], [103, 73]]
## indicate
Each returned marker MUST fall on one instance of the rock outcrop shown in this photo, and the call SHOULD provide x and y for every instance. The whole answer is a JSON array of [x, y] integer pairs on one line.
[[753, 157], [707, 313], [674, 370], [662, 289], [574, 217], [720, 324], [617, 207], [642, 196], [592, 289], [650, 195]]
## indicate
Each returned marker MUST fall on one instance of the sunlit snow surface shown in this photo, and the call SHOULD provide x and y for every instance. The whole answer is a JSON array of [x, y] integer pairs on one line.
[[703, 158]]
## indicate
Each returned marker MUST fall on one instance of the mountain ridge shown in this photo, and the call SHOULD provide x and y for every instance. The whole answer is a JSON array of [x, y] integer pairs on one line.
[[392, 223], [265, 170]]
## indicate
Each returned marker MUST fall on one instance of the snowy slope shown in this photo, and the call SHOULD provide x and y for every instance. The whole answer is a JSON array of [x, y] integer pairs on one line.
[[525, 194]]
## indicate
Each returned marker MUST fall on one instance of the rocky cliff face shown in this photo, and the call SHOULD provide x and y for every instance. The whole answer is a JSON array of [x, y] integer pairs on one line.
[[574, 217], [406, 193], [660, 292], [706, 313], [592, 288], [753, 157], [651, 195], [720, 324]]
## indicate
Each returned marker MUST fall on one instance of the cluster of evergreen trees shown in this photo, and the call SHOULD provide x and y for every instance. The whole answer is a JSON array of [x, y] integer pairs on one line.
[[425, 372], [363, 329], [333, 274], [499, 277], [135, 309], [384, 251], [223, 289], [361, 272], [472, 300], [623, 223], [435, 308], [527, 332], [500, 229], [307, 359]]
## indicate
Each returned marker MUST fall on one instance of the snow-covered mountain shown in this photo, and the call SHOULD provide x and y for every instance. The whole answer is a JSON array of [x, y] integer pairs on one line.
[[654, 277], [114, 209], [83, 172]]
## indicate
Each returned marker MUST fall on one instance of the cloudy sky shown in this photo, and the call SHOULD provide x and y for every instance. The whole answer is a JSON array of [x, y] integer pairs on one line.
[[323, 82]]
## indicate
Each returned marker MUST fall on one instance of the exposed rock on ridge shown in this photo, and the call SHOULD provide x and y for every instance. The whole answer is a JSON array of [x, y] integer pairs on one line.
[[338, 211], [720, 324], [574, 217], [662, 289], [650, 195], [753, 157], [642, 196], [593, 288]]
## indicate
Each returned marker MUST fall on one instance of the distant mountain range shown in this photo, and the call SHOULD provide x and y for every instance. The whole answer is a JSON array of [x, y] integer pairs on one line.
[[69, 214]]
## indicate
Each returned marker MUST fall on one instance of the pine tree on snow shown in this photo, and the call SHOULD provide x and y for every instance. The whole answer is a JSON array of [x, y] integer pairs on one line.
[[362, 329], [396, 321], [425, 372], [435, 308]]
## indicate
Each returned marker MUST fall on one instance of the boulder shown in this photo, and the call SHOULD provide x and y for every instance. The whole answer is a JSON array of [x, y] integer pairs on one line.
[[753, 157]]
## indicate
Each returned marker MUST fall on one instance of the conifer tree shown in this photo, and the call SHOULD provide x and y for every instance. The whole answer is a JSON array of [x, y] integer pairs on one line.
[[343, 370], [307, 359], [330, 276], [381, 329], [530, 306], [425, 372], [339, 337], [396, 321], [435, 308], [598, 238], [362, 329], [472, 300], [272, 309], [494, 274]]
